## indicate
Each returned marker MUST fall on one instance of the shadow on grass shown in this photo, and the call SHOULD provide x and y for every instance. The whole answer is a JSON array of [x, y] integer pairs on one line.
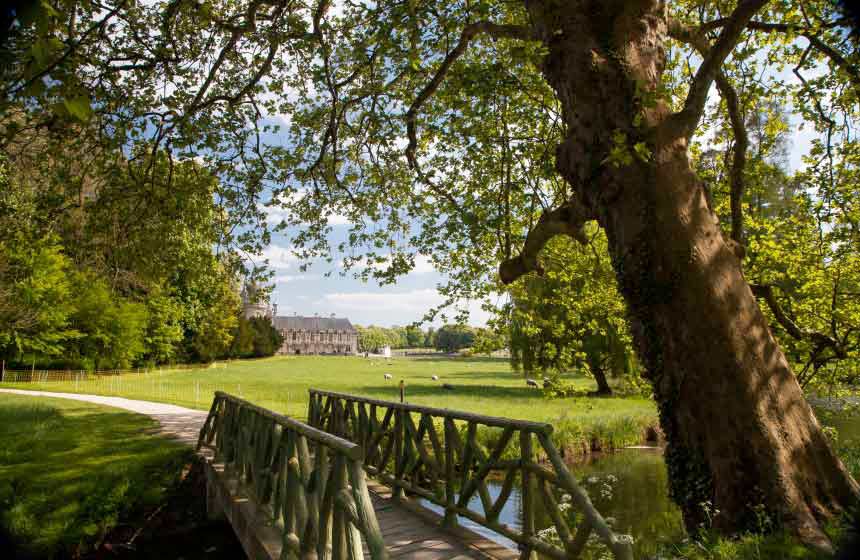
[[69, 472]]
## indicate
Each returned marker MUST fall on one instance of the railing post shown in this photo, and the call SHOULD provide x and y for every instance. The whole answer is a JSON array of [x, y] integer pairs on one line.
[[527, 502], [450, 520], [399, 464]]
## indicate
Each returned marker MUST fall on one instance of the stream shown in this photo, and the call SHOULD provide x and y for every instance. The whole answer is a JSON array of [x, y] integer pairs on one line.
[[628, 487]]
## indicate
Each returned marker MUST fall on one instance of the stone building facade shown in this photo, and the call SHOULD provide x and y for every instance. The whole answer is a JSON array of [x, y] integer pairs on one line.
[[316, 335]]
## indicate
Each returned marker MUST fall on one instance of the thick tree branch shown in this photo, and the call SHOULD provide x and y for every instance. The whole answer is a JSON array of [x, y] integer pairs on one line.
[[684, 122], [697, 39], [739, 156], [811, 35], [567, 219], [469, 32], [820, 340]]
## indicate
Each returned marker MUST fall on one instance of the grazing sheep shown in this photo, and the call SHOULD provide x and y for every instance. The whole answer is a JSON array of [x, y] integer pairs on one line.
[[447, 387], [531, 383], [435, 378], [547, 384], [387, 376]]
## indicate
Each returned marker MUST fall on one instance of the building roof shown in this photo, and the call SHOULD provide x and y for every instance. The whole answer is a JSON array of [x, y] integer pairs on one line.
[[298, 323]]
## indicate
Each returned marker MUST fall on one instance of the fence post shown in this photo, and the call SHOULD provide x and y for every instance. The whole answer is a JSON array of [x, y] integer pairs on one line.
[[399, 464], [527, 553]]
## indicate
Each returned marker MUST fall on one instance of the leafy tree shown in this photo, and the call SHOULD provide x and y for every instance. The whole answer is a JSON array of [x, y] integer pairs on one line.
[[213, 331], [450, 338], [164, 327], [414, 337], [488, 341], [371, 339], [267, 339], [430, 338], [571, 315], [36, 300], [242, 345], [112, 329]]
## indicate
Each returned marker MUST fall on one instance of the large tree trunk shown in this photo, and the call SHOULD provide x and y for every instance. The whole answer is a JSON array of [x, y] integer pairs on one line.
[[741, 438]]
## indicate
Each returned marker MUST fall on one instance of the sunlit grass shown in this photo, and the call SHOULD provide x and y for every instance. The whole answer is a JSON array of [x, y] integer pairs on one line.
[[480, 385], [70, 470]]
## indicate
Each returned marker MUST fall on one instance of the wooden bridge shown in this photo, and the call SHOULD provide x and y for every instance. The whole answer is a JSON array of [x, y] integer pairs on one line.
[[301, 491]]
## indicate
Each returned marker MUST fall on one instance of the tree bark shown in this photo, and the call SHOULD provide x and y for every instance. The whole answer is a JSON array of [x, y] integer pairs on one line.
[[599, 374], [741, 438]]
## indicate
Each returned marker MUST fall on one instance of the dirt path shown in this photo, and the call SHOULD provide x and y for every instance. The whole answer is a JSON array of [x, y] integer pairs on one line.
[[181, 423]]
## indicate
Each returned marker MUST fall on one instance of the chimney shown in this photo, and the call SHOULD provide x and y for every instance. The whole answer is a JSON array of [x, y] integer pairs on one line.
[[332, 315], [274, 309]]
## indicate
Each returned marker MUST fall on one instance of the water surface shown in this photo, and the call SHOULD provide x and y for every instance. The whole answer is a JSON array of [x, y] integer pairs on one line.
[[629, 487]]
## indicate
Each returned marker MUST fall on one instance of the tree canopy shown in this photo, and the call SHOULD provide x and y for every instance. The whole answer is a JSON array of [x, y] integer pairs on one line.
[[475, 133]]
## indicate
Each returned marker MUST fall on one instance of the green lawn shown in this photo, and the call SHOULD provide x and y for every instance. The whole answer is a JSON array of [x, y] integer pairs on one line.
[[481, 385], [69, 470]]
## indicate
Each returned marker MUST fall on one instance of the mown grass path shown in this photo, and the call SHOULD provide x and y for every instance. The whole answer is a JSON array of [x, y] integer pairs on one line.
[[182, 424]]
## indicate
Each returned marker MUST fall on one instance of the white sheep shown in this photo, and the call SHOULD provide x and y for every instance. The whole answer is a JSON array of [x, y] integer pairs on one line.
[[435, 378], [387, 376], [531, 383]]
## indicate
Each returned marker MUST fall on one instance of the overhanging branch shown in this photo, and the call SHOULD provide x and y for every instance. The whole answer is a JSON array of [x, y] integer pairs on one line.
[[697, 39], [567, 219], [811, 35], [469, 32], [818, 339], [683, 123]]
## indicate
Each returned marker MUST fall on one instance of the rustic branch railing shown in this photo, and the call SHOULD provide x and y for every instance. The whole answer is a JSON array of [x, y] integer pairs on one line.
[[448, 468], [312, 482]]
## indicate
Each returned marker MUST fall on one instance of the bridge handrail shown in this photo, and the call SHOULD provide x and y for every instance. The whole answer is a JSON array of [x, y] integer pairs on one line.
[[312, 482], [415, 458]]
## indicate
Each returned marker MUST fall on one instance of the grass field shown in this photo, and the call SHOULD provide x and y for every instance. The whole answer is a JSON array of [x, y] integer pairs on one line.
[[481, 385], [69, 470]]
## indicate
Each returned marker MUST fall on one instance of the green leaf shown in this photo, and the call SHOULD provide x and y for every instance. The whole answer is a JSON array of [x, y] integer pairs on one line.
[[79, 107]]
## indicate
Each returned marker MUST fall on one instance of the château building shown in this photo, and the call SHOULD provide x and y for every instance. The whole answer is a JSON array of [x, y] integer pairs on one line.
[[302, 335], [317, 335]]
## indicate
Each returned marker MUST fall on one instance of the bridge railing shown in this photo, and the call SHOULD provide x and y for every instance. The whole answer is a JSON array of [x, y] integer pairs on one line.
[[311, 482], [436, 454]]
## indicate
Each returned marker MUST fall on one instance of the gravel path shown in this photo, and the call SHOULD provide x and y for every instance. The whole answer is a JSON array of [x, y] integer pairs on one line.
[[175, 421]]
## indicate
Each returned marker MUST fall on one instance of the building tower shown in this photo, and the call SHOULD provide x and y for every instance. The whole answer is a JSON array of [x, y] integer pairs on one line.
[[254, 303]]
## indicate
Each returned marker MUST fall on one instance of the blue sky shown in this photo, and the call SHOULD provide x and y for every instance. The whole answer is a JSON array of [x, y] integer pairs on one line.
[[325, 288]]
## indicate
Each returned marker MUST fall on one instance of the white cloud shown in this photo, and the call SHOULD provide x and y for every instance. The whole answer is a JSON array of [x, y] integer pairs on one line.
[[415, 300], [397, 307], [280, 209], [423, 265], [280, 258]]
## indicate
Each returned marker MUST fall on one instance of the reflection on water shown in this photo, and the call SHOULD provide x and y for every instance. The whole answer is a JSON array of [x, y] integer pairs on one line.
[[628, 486]]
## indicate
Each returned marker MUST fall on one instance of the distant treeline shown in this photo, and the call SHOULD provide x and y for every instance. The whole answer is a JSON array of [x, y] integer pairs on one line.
[[99, 275], [448, 338]]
